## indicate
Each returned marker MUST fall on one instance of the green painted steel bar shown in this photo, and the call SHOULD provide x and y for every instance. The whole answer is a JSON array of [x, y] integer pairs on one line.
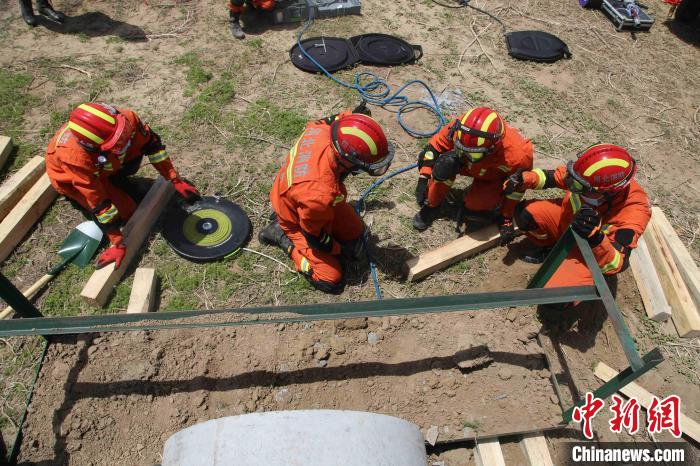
[[551, 263], [14, 298], [326, 311], [618, 322], [650, 360], [14, 451]]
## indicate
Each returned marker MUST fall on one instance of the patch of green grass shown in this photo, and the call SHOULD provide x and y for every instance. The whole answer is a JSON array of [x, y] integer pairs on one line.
[[265, 117], [196, 73], [254, 44], [82, 37], [56, 120], [14, 101], [208, 105], [114, 40], [474, 425]]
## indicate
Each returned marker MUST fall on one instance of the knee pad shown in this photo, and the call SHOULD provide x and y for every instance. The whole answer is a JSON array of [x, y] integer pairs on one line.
[[524, 219], [446, 167], [326, 287]]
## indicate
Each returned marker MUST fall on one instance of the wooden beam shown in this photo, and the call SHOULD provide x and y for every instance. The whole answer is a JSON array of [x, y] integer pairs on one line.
[[536, 451], [685, 263], [24, 215], [488, 453], [19, 183], [454, 251], [604, 372], [683, 310], [102, 282], [5, 149], [143, 291], [650, 289]]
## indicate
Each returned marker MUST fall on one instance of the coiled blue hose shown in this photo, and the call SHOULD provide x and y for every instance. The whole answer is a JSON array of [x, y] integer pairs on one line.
[[377, 91]]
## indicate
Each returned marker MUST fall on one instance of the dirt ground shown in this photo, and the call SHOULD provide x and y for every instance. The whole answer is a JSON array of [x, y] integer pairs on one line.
[[227, 109]]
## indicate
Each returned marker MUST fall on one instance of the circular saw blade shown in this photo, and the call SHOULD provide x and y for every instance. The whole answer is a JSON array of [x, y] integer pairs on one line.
[[208, 230]]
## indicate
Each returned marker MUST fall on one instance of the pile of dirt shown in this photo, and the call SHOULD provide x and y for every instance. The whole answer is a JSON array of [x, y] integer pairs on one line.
[[118, 397]]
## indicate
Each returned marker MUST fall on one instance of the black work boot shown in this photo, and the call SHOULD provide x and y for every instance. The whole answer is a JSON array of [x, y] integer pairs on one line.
[[274, 236], [44, 7], [27, 12], [234, 25], [424, 217], [537, 255]]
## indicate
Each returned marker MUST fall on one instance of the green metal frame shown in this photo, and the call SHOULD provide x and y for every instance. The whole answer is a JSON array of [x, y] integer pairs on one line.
[[34, 323]]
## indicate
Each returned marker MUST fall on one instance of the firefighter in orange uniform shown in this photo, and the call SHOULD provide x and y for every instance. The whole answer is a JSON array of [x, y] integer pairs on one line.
[[481, 145], [312, 221], [236, 7], [603, 204], [89, 159]]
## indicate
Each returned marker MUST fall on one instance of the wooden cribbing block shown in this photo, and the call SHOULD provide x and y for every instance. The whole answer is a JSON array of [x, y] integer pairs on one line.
[[688, 426], [683, 310], [454, 251], [5, 149], [536, 451], [100, 285], [488, 453], [143, 291], [24, 215], [686, 265], [648, 283], [19, 183]]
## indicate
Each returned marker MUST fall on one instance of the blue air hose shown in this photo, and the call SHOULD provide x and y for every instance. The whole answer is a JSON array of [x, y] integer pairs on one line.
[[377, 91], [358, 208]]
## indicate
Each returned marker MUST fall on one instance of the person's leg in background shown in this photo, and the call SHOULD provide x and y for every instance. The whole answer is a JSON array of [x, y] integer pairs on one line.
[[235, 8]]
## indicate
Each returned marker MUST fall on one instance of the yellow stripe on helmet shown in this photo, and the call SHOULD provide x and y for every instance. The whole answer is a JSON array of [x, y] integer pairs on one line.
[[485, 127], [464, 122], [605, 163], [362, 135], [98, 113], [88, 134]]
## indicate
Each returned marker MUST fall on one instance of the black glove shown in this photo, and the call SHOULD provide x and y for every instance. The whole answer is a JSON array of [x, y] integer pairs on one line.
[[427, 157], [507, 229], [422, 191], [362, 108], [513, 183], [153, 145], [353, 251], [587, 223]]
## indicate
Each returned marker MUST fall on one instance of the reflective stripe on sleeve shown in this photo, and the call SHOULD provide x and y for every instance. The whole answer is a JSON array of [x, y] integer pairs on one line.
[[613, 264], [541, 178], [158, 157], [108, 215]]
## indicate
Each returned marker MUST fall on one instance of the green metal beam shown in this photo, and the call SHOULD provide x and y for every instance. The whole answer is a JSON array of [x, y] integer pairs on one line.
[[650, 360], [551, 263], [14, 298], [618, 322], [326, 311]]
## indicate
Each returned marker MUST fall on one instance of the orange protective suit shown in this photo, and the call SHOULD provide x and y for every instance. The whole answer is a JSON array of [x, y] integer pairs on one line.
[[486, 192], [624, 219], [309, 199], [77, 173], [238, 6]]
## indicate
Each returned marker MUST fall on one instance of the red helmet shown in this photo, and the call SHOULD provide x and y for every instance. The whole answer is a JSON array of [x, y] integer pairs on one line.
[[101, 127], [478, 133], [361, 141], [602, 168]]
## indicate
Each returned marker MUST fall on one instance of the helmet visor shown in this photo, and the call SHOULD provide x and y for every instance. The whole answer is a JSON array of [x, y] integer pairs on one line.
[[121, 139], [380, 167], [473, 154]]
